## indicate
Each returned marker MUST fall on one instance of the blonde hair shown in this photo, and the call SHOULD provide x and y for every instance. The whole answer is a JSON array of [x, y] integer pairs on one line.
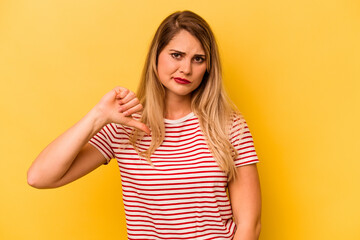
[[210, 103]]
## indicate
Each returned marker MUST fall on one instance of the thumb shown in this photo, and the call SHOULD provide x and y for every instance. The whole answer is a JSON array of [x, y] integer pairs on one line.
[[139, 125]]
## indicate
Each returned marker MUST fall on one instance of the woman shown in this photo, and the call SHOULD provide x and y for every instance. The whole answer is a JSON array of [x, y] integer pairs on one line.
[[175, 175]]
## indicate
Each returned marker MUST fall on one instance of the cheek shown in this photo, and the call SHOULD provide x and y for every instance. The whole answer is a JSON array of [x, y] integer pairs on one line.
[[165, 65], [201, 71]]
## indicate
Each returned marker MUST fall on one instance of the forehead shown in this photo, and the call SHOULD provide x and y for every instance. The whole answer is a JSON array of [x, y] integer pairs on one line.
[[185, 42]]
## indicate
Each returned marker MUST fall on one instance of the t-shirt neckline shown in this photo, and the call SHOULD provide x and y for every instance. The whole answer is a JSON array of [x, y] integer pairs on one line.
[[183, 119]]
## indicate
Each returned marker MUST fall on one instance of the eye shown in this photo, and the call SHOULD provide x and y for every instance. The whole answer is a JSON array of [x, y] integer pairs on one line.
[[199, 59], [176, 55]]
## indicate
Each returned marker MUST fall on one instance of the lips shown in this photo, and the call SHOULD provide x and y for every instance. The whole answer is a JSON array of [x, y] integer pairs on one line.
[[182, 80]]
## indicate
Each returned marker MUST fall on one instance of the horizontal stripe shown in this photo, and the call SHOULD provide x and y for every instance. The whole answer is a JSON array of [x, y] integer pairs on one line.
[[178, 193], [184, 195], [175, 219], [170, 216], [196, 233], [155, 190]]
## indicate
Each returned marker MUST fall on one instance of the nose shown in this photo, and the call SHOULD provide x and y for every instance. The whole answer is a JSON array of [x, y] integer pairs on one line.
[[185, 66]]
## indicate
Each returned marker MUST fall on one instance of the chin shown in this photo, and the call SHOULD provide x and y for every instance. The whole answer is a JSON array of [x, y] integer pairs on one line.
[[181, 93]]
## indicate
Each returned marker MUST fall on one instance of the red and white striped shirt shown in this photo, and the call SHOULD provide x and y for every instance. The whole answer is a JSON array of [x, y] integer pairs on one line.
[[184, 195]]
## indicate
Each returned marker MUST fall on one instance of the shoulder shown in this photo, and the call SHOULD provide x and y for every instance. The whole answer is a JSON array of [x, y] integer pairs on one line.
[[238, 126], [237, 120]]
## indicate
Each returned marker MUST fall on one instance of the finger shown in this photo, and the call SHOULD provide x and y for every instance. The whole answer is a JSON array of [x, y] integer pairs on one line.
[[130, 104], [129, 96], [124, 92], [132, 110], [120, 92], [118, 89], [139, 125]]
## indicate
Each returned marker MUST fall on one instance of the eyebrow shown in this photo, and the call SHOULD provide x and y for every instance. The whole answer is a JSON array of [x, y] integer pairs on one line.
[[198, 55]]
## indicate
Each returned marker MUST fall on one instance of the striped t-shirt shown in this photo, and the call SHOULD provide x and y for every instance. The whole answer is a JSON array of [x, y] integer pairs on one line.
[[184, 195]]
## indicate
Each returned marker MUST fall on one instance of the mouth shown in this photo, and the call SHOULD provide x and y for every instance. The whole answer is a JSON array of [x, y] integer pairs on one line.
[[182, 80]]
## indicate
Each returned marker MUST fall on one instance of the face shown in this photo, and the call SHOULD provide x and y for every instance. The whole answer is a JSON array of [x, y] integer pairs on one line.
[[181, 65]]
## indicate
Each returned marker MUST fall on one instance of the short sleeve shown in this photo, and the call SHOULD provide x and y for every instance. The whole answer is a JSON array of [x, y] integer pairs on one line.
[[101, 141], [241, 139]]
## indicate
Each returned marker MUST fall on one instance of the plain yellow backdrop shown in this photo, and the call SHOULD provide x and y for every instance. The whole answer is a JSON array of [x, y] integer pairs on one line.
[[292, 68]]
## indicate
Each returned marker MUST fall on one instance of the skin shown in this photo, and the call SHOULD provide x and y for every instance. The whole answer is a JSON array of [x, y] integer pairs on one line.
[[183, 57], [245, 198], [70, 156]]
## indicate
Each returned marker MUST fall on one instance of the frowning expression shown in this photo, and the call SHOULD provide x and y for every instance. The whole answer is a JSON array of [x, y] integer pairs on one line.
[[181, 64]]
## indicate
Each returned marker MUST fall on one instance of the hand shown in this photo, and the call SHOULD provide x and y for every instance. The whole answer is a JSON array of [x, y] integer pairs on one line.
[[118, 105]]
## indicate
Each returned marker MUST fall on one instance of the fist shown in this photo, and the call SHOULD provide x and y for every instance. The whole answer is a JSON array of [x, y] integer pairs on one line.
[[118, 105]]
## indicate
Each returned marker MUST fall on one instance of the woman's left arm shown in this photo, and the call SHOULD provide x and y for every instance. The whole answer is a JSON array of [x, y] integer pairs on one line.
[[245, 198]]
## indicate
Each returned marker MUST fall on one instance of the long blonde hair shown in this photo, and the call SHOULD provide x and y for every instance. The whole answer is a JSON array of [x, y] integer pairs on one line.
[[209, 102]]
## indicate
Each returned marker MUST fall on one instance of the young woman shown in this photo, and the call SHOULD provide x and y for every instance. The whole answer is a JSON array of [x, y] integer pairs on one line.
[[179, 144]]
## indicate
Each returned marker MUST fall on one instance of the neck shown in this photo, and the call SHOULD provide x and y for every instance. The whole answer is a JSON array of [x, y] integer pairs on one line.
[[177, 106]]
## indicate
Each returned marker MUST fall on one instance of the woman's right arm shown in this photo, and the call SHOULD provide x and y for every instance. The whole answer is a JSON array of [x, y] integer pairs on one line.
[[70, 156]]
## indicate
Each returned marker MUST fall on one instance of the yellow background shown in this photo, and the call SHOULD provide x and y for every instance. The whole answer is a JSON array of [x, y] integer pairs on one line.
[[292, 67]]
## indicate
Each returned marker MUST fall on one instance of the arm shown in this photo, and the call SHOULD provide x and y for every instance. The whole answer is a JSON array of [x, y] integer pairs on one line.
[[52, 164], [245, 198], [69, 156]]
